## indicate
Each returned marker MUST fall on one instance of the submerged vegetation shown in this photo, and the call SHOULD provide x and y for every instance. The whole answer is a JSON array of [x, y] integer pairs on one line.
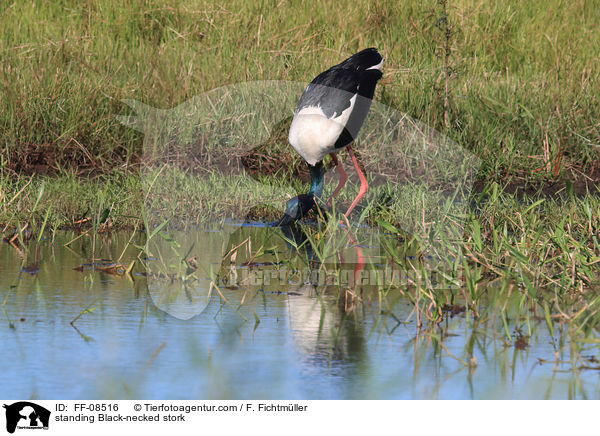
[[516, 84]]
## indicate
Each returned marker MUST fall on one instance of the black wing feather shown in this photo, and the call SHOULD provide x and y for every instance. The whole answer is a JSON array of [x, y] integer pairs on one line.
[[331, 91]]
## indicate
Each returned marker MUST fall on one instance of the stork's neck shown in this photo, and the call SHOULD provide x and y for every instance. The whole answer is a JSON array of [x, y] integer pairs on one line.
[[316, 179]]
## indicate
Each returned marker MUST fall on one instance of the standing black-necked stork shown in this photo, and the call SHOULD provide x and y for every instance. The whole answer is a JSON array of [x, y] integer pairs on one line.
[[329, 115]]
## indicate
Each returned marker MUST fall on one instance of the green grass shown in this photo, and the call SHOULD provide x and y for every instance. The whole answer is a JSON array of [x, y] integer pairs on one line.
[[523, 77], [61, 201], [522, 87]]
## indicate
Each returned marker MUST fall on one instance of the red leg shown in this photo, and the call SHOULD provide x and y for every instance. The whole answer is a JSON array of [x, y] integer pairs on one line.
[[360, 264], [360, 260], [343, 177], [363, 182]]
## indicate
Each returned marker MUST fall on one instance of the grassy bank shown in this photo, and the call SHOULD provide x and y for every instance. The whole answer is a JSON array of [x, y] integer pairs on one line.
[[517, 83], [538, 242]]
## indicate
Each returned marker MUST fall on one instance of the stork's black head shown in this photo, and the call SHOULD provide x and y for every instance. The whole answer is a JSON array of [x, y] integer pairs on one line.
[[296, 208]]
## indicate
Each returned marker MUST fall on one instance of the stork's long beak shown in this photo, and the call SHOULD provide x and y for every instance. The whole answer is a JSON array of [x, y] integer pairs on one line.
[[284, 221]]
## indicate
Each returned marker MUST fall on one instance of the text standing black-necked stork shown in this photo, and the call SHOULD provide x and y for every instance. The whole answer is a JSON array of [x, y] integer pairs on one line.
[[329, 115]]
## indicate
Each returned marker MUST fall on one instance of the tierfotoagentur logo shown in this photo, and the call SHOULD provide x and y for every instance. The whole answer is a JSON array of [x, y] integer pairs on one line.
[[25, 415], [417, 172]]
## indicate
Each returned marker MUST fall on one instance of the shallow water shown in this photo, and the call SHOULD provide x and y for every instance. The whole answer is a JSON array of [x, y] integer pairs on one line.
[[148, 336]]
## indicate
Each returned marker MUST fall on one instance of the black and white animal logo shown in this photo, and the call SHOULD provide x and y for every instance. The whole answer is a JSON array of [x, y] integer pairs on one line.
[[26, 415]]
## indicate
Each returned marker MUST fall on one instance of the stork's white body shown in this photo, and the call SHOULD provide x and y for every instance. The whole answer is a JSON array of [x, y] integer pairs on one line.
[[313, 135]]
